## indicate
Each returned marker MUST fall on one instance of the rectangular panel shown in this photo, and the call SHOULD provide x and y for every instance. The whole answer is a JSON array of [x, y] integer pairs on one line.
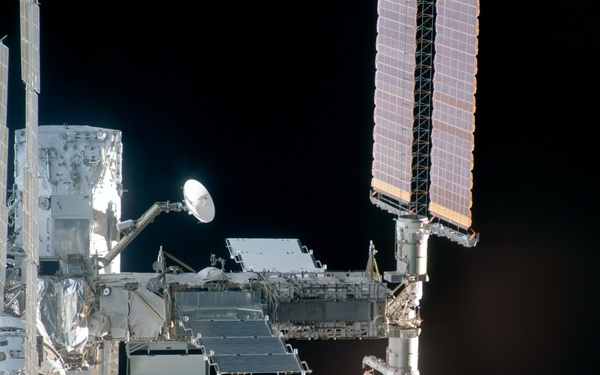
[[231, 328], [71, 236], [208, 305], [312, 311], [30, 44], [453, 111], [3, 165], [30, 75], [3, 130], [3, 83], [272, 255], [243, 345], [166, 364], [258, 364], [394, 98]]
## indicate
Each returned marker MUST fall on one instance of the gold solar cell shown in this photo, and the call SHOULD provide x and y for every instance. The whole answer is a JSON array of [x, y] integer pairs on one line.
[[452, 139], [394, 99]]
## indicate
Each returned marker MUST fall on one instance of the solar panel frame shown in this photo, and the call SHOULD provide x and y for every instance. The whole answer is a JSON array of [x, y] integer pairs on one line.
[[243, 345], [231, 328], [394, 98], [4, 53], [3, 83], [30, 44], [30, 58], [452, 138], [257, 364]]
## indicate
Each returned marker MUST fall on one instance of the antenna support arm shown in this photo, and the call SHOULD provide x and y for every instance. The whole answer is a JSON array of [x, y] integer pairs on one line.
[[139, 225]]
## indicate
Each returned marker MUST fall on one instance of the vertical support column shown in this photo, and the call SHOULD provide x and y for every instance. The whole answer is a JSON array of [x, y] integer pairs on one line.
[[30, 74], [31, 237], [403, 351], [422, 111], [402, 313], [411, 246], [108, 359]]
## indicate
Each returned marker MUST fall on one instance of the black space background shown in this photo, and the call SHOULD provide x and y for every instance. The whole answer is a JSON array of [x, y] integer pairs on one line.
[[270, 105]]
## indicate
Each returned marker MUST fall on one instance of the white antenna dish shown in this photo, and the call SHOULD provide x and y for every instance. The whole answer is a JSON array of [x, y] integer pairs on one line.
[[198, 201]]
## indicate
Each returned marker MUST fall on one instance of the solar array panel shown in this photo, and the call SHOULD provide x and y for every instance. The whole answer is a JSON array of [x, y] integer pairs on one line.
[[235, 336], [3, 165], [3, 82], [452, 139], [30, 44], [452, 123], [30, 65], [394, 98], [253, 354]]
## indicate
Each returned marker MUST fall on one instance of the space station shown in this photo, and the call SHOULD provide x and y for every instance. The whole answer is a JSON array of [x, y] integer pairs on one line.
[[68, 307]]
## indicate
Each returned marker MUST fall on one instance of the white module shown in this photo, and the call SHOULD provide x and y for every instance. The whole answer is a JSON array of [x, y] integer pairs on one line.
[[79, 174]]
